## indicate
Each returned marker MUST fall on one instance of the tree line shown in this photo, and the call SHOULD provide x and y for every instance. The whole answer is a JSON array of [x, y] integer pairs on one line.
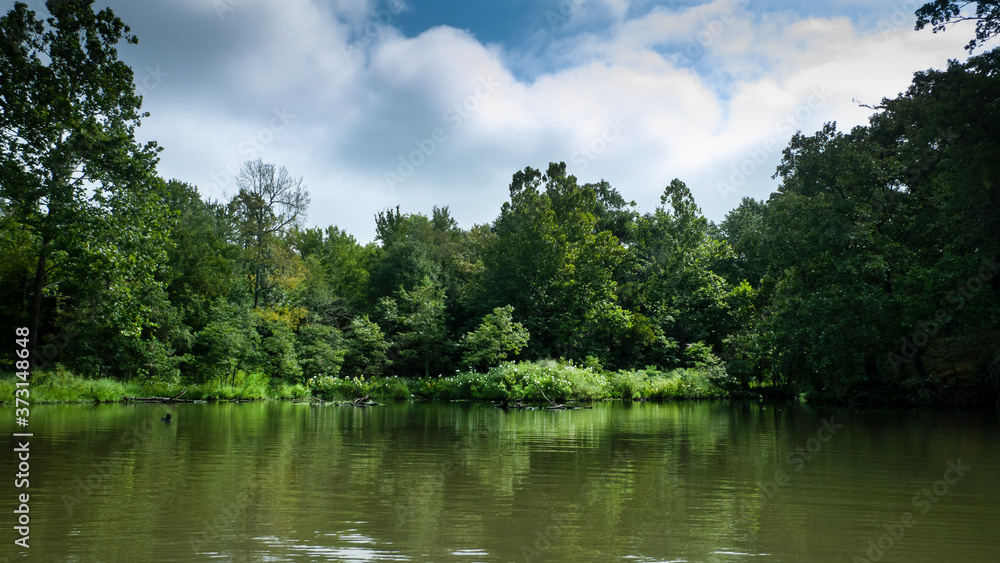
[[869, 275]]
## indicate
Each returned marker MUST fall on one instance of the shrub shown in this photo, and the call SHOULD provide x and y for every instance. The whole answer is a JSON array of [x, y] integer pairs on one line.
[[350, 388], [496, 337], [628, 385], [366, 348]]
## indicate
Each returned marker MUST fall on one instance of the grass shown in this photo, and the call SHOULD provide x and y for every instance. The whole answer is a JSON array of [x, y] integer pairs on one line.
[[531, 381], [61, 386]]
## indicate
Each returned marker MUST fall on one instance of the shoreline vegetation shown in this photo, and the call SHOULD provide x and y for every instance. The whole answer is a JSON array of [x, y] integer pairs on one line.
[[546, 381], [869, 275]]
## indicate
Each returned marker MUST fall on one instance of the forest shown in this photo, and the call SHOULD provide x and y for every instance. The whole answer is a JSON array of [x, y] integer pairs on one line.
[[870, 275]]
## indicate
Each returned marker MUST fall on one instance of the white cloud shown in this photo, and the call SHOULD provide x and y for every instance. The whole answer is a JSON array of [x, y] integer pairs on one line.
[[698, 113]]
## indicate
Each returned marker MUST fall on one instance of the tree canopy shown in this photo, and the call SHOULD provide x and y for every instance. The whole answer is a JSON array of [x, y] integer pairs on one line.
[[870, 274]]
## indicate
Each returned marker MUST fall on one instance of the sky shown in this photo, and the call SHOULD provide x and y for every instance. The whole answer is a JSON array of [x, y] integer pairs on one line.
[[423, 103]]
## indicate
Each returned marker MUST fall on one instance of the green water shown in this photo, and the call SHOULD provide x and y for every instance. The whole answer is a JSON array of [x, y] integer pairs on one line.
[[711, 481]]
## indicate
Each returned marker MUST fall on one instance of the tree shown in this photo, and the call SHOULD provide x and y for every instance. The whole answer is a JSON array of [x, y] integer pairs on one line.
[[269, 204], [742, 229], [940, 13], [71, 172], [670, 284], [320, 350], [403, 265], [366, 348], [419, 318], [336, 280], [201, 261], [229, 342], [549, 258], [496, 337]]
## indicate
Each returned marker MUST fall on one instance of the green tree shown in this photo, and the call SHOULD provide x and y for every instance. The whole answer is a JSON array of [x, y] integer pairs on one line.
[[320, 350], [229, 342], [366, 348], [422, 337], [496, 337], [941, 13], [669, 281], [743, 229], [278, 349], [71, 172], [201, 262], [549, 259], [270, 203], [403, 265], [337, 277]]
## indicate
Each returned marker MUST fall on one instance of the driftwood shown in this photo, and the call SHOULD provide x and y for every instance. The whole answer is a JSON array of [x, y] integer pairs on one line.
[[518, 404], [552, 404], [359, 402], [175, 399]]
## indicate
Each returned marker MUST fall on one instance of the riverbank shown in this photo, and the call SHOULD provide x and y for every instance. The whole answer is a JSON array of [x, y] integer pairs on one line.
[[546, 380]]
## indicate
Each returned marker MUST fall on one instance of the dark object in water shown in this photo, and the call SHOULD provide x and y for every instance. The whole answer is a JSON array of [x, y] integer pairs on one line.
[[166, 418]]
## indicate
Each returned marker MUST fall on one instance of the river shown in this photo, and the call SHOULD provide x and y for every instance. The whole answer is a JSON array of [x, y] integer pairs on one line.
[[686, 481]]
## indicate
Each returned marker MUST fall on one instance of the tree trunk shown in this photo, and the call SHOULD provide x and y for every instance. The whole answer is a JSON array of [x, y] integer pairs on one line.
[[35, 315]]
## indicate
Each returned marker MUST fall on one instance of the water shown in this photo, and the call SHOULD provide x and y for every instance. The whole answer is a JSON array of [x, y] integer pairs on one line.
[[708, 481]]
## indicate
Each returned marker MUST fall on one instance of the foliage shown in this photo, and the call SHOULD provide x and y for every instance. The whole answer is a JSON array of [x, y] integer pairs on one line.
[[72, 176], [940, 13], [494, 339], [366, 348], [853, 281], [350, 388], [320, 349]]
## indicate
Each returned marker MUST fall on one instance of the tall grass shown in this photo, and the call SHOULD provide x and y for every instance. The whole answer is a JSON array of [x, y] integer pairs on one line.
[[511, 381], [58, 385]]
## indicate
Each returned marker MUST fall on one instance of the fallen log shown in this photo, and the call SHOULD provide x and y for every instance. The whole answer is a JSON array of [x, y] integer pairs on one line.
[[175, 399]]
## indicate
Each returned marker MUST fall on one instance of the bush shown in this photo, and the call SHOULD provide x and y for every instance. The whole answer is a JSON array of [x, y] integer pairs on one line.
[[683, 383], [350, 388], [524, 380], [286, 391], [320, 350], [366, 348], [497, 337], [628, 385]]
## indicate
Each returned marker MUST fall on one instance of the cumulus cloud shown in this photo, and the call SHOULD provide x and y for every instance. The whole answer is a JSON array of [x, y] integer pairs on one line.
[[636, 93]]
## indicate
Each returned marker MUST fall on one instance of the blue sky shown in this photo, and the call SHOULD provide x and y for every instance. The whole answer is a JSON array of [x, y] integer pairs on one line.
[[416, 103]]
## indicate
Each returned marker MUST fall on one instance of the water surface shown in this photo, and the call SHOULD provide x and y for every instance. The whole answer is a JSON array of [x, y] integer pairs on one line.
[[693, 481]]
